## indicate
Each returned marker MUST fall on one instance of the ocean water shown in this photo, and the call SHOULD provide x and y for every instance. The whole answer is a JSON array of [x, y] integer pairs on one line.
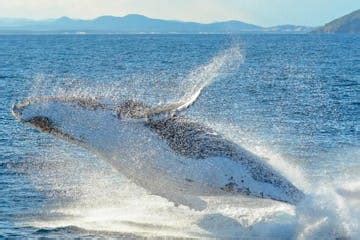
[[292, 99]]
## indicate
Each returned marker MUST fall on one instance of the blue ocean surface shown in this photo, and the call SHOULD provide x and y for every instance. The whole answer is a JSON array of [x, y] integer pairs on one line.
[[292, 99]]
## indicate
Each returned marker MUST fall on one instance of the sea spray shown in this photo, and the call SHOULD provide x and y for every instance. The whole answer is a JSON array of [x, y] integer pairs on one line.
[[327, 212], [201, 77], [319, 217]]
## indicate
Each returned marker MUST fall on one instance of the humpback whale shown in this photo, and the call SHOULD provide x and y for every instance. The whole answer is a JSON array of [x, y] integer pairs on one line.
[[159, 149]]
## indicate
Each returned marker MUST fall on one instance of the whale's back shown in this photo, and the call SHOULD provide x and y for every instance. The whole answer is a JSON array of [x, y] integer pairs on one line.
[[192, 139]]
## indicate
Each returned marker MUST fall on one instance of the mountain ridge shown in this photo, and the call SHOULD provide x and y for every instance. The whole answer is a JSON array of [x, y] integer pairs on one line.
[[136, 23], [349, 23]]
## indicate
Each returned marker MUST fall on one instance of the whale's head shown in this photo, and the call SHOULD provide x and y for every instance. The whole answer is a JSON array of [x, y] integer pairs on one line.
[[34, 112], [81, 119], [65, 117]]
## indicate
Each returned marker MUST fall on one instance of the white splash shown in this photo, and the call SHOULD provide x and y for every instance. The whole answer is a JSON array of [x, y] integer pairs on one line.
[[203, 76], [329, 211]]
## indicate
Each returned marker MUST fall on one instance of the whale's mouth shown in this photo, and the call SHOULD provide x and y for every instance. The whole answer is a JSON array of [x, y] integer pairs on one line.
[[45, 124]]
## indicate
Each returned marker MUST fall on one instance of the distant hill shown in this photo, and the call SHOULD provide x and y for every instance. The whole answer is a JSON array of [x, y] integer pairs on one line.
[[135, 23], [289, 29], [347, 24]]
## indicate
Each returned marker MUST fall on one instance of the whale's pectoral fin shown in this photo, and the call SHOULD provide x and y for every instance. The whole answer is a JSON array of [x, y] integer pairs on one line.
[[190, 201]]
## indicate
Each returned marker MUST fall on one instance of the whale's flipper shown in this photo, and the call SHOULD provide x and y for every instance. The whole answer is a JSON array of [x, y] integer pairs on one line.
[[193, 202], [183, 104], [137, 110]]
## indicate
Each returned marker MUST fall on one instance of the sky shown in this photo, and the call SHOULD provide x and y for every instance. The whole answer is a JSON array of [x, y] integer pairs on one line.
[[260, 12]]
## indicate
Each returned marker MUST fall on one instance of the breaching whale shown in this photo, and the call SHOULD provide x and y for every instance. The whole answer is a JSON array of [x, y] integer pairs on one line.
[[159, 148]]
